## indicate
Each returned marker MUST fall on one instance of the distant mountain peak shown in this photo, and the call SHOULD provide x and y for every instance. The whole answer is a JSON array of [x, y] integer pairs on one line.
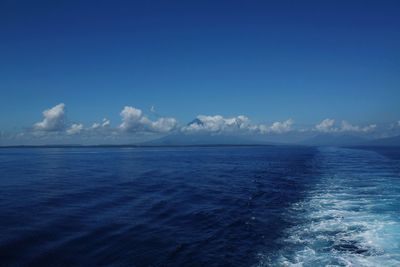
[[196, 121]]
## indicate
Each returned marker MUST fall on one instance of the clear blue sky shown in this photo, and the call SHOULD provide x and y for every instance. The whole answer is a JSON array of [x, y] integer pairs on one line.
[[269, 60]]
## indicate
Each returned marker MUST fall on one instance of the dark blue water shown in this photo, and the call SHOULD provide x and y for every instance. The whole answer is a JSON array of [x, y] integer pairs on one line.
[[215, 206]]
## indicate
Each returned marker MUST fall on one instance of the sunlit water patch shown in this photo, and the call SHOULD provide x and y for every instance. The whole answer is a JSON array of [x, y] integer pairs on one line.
[[351, 216]]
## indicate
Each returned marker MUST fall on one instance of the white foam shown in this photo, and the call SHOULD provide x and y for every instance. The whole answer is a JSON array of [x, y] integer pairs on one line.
[[346, 220]]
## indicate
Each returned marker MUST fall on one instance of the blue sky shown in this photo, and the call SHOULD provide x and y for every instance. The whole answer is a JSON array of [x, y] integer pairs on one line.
[[268, 60]]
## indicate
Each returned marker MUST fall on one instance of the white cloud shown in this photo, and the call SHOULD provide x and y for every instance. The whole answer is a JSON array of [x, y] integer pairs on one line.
[[277, 127], [369, 128], [217, 123], [105, 123], [98, 125], [54, 125], [347, 127], [282, 127], [326, 126], [163, 125], [133, 120], [75, 128], [54, 119]]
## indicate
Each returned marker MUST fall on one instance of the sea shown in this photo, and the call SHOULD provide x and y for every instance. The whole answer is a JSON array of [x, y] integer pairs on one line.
[[200, 206]]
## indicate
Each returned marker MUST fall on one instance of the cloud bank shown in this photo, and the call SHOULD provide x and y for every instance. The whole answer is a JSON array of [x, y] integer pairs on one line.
[[328, 126], [239, 124], [217, 124], [133, 120], [135, 123]]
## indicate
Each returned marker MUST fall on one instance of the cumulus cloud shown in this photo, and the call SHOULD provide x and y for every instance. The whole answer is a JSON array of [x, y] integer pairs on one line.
[[75, 128], [133, 120], [326, 125], [347, 127], [282, 127], [54, 125], [163, 125], [54, 119], [217, 123], [239, 124], [277, 127]]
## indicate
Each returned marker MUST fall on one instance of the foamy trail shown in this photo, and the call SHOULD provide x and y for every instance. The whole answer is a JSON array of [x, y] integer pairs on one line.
[[350, 218]]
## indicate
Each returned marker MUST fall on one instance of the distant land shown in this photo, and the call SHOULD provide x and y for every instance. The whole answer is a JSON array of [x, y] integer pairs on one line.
[[328, 139], [199, 140], [331, 139], [204, 139], [129, 146], [389, 141]]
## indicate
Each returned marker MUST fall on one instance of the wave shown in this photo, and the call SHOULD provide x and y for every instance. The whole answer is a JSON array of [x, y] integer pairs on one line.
[[350, 217]]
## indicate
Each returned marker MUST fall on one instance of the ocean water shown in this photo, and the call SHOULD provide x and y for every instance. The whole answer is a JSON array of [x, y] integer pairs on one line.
[[200, 206]]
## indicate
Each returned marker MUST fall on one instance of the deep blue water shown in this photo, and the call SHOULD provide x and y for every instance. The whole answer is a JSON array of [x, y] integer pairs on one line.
[[199, 206]]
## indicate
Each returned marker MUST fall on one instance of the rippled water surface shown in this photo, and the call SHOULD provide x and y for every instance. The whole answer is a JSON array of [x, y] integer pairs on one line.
[[204, 206]]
